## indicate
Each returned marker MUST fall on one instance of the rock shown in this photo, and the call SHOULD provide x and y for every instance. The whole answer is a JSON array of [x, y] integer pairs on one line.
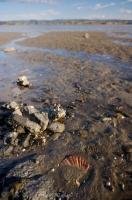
[[9, 49], [10, 138], [56, 127], [36, 116], [12, 106], [8, 151], [20, 129], [23, 81], [58, 113], [31, 126], [17, 112], [87, 35], [27, 140]]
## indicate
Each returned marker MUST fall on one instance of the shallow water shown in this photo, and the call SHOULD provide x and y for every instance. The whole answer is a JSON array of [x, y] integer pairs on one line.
[[32, 30], [12, 66]]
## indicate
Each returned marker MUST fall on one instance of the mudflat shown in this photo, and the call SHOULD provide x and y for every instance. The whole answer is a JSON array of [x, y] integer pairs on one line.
[[7, 37], [90, 42], [90, 158]]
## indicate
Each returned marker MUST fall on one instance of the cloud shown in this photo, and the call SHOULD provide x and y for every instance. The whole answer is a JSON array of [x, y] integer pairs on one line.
[[39, 1], [45, 15], [126, 2], [126, 11], [79, 7], [99, 6]]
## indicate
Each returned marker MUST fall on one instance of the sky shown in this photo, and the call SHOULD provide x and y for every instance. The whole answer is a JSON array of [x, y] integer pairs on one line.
[[65, 9]]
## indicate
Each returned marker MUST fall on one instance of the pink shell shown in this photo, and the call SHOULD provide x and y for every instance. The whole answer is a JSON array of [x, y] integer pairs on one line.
[[76, 161]]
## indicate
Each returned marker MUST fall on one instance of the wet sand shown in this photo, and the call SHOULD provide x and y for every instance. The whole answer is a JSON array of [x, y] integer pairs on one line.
[[96, 42], [97, 98], [7, 37]]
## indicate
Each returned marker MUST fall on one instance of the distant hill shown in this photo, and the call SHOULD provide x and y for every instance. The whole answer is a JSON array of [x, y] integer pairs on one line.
[[65, 22]]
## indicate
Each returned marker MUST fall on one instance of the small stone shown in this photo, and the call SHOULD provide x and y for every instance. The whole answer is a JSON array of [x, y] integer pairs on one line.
[[57, 127], [8, 151], [120, 116], [12, 106], [59, 113], [43, 140], [109, 186], [27, 140], [23, 81], [87, 35], [9, 49], [106, 119], [17, 112], [122, 186], [10, 138]]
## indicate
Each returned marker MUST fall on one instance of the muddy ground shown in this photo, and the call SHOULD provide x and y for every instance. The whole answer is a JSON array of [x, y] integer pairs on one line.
[[7, 37], [97, 99], [93, 42]]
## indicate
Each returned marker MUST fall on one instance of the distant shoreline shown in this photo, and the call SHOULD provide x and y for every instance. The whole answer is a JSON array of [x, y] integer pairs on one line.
[[68, 22]]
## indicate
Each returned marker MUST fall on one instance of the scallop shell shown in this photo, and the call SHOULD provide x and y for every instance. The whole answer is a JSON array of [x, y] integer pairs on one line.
[[76, 161]]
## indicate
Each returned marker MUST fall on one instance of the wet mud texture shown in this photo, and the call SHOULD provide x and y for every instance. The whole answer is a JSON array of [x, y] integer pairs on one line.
[[7, 37], [95, 42], [97, 98]]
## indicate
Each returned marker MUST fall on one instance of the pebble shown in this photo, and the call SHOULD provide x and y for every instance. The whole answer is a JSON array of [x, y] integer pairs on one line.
[[109, 186], [23, 81], [17, 112], [87, 35], [12, 106], [26, 142], [58, 113], [9, 49], [8, 151], [57, 127]]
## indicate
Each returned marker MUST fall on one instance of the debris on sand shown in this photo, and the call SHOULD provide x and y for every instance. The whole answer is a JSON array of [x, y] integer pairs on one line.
[[9, 49], [23, 81]]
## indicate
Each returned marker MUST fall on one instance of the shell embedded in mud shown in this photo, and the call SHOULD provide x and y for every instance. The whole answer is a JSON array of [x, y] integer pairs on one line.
[[76, 161]]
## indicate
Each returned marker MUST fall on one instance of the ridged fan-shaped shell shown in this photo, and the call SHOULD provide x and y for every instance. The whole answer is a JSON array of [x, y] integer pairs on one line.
[[76, 161]]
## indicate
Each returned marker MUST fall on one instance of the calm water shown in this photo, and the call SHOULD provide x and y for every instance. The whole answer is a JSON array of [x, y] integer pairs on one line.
[[38, 29]]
